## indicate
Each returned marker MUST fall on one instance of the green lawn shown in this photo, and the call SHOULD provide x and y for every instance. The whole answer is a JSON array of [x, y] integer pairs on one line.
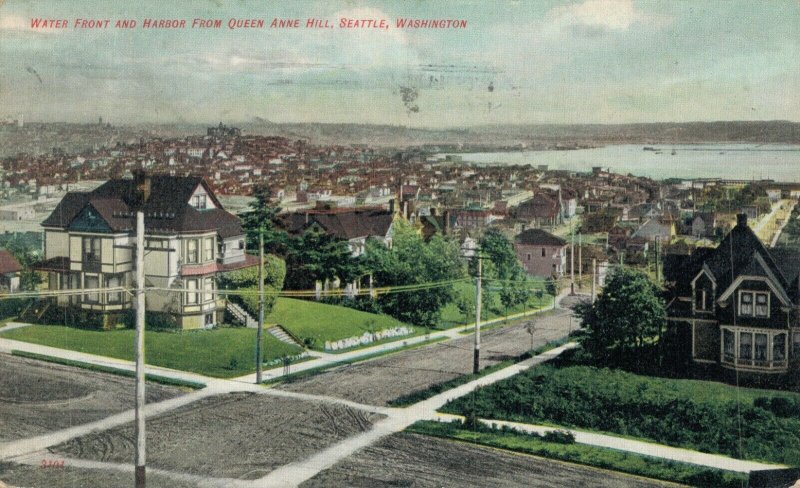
[[322, 322], [452, 317], [760, 425], [222, 353]]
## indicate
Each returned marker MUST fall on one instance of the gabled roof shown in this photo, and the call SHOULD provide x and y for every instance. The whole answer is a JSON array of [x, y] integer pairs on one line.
[[167, 209], [8, 264], [740, 253], [539, 237], [350, 224]]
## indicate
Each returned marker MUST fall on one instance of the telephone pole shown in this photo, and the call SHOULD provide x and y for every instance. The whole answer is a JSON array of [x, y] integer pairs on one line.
[[139, 353], [571, 259], [594, 278], [580, 261], [260, 304], [476, 359]]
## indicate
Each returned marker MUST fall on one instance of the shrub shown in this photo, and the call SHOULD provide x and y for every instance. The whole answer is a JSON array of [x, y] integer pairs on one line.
[[559, 437]]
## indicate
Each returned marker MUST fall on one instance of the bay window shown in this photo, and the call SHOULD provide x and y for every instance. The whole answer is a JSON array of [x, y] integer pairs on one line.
[[92, 283], [756, 348]]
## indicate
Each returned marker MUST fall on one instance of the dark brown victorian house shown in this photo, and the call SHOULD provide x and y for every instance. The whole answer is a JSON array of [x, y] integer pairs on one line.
[[736, 305]]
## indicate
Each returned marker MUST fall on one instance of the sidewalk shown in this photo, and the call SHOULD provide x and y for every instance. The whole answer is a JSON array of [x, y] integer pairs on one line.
[[629, 445], [320, 360]]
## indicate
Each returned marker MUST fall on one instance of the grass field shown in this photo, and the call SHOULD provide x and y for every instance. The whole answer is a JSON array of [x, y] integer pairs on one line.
[[452, 316], [322, 322], [222, 353], [760, 425]]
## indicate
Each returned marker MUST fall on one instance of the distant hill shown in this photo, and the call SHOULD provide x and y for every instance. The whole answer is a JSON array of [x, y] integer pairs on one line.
[[42, 137]]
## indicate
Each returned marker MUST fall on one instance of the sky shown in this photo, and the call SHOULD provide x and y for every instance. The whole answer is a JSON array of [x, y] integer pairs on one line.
[[551, 62]]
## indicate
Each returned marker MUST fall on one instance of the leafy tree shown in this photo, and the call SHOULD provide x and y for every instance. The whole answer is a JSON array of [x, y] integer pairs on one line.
[[413, 261], [27, 254], [503, 268], [263, 217], [627, 314], [318, 256], [246, 279]]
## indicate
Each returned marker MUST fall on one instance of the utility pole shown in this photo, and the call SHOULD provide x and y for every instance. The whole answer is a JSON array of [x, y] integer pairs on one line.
[[572, 259], [658, 259], [260, 304], [139, 353], [580, 260], [594, 277], [476, 359]]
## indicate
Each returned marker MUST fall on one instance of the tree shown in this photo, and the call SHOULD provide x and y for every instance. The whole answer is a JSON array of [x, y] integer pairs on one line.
[[627, 315], [411, 261], [502, 267], [318, 256], [263, 217], [246, 279]]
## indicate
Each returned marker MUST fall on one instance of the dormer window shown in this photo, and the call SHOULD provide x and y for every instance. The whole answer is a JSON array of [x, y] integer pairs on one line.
[[753, 304], [199, 202]]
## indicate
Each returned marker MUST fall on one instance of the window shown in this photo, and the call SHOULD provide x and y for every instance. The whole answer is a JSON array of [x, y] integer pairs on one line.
[[91, 249], [208, 249], [191, 251], [754, 304], [746, 304], [199, 202], [745, 346], [191, 295], [241, 244], [762, 306], [209, 319], [703, 300], [796, 344], [209, 287], [729, 344], [779, 347], [92, 283], [529, 256], [761, 347], [113, 296], [544, 252]]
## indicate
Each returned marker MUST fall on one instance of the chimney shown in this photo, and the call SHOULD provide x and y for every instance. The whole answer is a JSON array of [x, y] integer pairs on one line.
[[741, 220], [141, 183]]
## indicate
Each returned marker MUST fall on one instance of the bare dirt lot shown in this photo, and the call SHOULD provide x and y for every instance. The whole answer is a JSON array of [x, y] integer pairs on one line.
[[411, 460], [239, 435], [68, 477], [38, 397], [381, 380]]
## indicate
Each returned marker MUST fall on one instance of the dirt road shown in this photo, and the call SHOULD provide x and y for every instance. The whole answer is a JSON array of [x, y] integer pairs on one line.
[[239, 435], [38, 397], [411, 460], [378, 381]]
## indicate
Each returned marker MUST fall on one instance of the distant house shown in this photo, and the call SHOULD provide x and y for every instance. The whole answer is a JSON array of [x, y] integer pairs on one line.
[[735, 306], [540, 210], [189, 239], [354, 225], [704, 224], [9, 272], [656, 230], [541, 253]]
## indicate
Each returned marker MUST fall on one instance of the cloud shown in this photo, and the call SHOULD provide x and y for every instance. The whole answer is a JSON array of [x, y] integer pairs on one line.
[[597, 15]]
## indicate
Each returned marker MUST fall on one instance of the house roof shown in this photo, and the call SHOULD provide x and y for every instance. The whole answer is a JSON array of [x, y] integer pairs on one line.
[[539, 237], [166, 210], [739, 253], [8, 264], [350, 224]]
